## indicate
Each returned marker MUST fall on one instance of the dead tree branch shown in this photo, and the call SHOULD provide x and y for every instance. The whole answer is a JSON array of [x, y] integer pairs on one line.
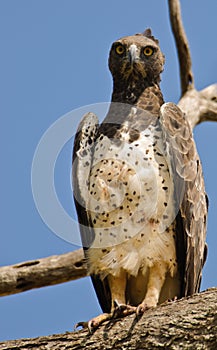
[[42, 272], [186, 75], [186, 324], [198, 106]]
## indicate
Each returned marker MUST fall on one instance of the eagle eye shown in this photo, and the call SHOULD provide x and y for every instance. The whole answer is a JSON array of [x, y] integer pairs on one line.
[[119, 49], [148, 51]]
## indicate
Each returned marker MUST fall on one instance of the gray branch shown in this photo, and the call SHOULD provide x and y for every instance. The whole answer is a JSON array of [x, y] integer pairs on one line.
[[186, 75], [199, 106], [42, 272]]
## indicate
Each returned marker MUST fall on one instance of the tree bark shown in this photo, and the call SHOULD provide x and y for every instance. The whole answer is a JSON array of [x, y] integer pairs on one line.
[[184, 324]]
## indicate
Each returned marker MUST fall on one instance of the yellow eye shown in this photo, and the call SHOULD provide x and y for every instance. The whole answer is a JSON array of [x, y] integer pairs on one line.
[[119, 49], [148, 51]]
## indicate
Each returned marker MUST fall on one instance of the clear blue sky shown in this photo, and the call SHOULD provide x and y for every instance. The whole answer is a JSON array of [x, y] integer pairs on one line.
[[54, 59]]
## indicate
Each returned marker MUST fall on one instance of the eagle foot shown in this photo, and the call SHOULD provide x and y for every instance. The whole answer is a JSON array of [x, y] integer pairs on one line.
[[94, 323]]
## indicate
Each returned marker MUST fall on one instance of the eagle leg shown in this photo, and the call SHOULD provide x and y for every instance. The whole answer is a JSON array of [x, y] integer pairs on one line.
[[119, 308], [117, 285], [156, 280]]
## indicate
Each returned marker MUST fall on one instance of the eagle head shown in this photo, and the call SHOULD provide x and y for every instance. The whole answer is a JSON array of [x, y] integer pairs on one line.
[[136, 57]]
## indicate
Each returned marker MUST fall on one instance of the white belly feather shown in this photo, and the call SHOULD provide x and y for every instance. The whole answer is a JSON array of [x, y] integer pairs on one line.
[[131, 206]]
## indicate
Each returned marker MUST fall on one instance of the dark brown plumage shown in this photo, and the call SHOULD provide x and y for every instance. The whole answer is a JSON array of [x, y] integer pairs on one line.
[[139, 189]]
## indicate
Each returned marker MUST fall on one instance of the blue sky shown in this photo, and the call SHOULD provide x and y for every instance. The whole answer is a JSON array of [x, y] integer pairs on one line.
[[54, 60]]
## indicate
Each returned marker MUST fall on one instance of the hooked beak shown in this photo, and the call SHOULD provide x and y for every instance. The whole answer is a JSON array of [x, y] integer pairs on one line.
[[133, 54]]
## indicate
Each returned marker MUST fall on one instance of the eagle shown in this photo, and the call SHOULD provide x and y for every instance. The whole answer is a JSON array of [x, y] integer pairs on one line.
[[138, 189]]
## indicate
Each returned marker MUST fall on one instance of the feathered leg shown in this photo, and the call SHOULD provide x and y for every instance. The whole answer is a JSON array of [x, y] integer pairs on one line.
[[117, 285], [156, 280]]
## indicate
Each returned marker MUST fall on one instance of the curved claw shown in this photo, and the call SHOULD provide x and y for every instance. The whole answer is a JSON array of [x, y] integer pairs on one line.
[[119, 307], [94, 322], [122, 310], [80, 324], [92, 325], [173, 299], [141, 309]]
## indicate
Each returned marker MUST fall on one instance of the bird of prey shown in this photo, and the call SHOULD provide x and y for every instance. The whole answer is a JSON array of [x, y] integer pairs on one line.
[[139, 189]]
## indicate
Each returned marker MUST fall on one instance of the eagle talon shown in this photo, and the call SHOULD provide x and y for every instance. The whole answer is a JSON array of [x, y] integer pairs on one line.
[[95, 322], [92, 326], [119, 306], [81, 324], [122, 310], [172, 300], [141, 309]]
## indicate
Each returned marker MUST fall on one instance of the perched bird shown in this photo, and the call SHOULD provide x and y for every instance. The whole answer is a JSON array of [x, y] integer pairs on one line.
[[139, 189]]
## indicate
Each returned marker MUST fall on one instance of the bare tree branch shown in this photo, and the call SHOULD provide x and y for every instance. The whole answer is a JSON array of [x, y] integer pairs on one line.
[[200, 106], [42, 272], [185, 324], [186, 75]]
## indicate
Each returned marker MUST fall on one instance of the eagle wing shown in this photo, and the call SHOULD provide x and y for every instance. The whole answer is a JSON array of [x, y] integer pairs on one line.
[[81, 166], [190, 197], [83, 150]]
